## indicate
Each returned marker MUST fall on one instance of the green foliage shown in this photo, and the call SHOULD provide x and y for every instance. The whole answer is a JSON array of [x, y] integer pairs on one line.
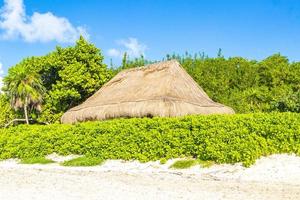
[[36, 160], [218, 138], [272, 84], [136, 62], [83, 161], [70, 75], [79, 72], [163, 161], [6, 112], [205, 163], [183, 164], [188, 163]]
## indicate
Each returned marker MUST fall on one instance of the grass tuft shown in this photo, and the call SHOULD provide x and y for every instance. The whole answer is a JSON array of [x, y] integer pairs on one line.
[[206, 163], [83, 161], [183, 164], [163, 161], [36, 160]]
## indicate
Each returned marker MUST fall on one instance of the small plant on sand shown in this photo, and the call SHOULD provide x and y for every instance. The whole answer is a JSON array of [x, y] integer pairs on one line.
[[83, 161], [163, 161], [205, 163], [36, 160], [183, 164]]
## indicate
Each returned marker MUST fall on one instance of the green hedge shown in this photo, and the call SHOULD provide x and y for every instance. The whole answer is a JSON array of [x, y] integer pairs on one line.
[[220, 138]]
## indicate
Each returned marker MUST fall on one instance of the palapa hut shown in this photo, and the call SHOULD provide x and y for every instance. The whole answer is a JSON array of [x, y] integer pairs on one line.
[[160, 89]]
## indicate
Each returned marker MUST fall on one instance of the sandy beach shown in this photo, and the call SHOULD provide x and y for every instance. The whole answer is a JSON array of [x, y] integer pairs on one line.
[[273, 177]]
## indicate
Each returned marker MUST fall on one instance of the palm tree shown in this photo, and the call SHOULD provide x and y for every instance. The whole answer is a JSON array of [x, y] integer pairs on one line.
[[24, 88]]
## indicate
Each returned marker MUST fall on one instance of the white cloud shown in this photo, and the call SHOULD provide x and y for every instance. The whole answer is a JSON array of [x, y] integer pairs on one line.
[[132, 46], [42, 27], [114, 53], [1, 76]]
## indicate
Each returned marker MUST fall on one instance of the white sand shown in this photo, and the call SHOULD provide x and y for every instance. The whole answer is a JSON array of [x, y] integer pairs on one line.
[[273, 177], [57, 158]]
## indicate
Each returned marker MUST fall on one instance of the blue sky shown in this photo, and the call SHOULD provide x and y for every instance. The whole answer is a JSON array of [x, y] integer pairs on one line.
[[253, 29]]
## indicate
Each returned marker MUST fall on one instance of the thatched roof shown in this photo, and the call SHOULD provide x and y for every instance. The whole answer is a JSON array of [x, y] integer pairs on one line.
[[160, 89]]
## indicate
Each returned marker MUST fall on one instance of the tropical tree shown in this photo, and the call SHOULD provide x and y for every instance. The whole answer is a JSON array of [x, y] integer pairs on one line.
[[76, 73], [24, 89]]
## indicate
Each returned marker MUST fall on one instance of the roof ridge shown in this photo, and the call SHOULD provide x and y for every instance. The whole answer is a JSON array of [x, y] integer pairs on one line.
[[151, 65]]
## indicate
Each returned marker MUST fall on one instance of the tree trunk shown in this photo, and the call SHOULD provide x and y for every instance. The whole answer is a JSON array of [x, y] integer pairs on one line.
[[25, 112], [13, 121]]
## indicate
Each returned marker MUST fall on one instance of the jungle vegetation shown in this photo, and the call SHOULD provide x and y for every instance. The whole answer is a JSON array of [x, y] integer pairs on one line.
[[42, 88]]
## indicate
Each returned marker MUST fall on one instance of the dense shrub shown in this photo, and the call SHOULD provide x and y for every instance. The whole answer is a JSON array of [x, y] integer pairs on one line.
[[269, 85], [220, 138]]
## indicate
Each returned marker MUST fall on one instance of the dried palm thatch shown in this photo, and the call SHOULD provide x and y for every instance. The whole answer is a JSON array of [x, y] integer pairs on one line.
[[160, 89]]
